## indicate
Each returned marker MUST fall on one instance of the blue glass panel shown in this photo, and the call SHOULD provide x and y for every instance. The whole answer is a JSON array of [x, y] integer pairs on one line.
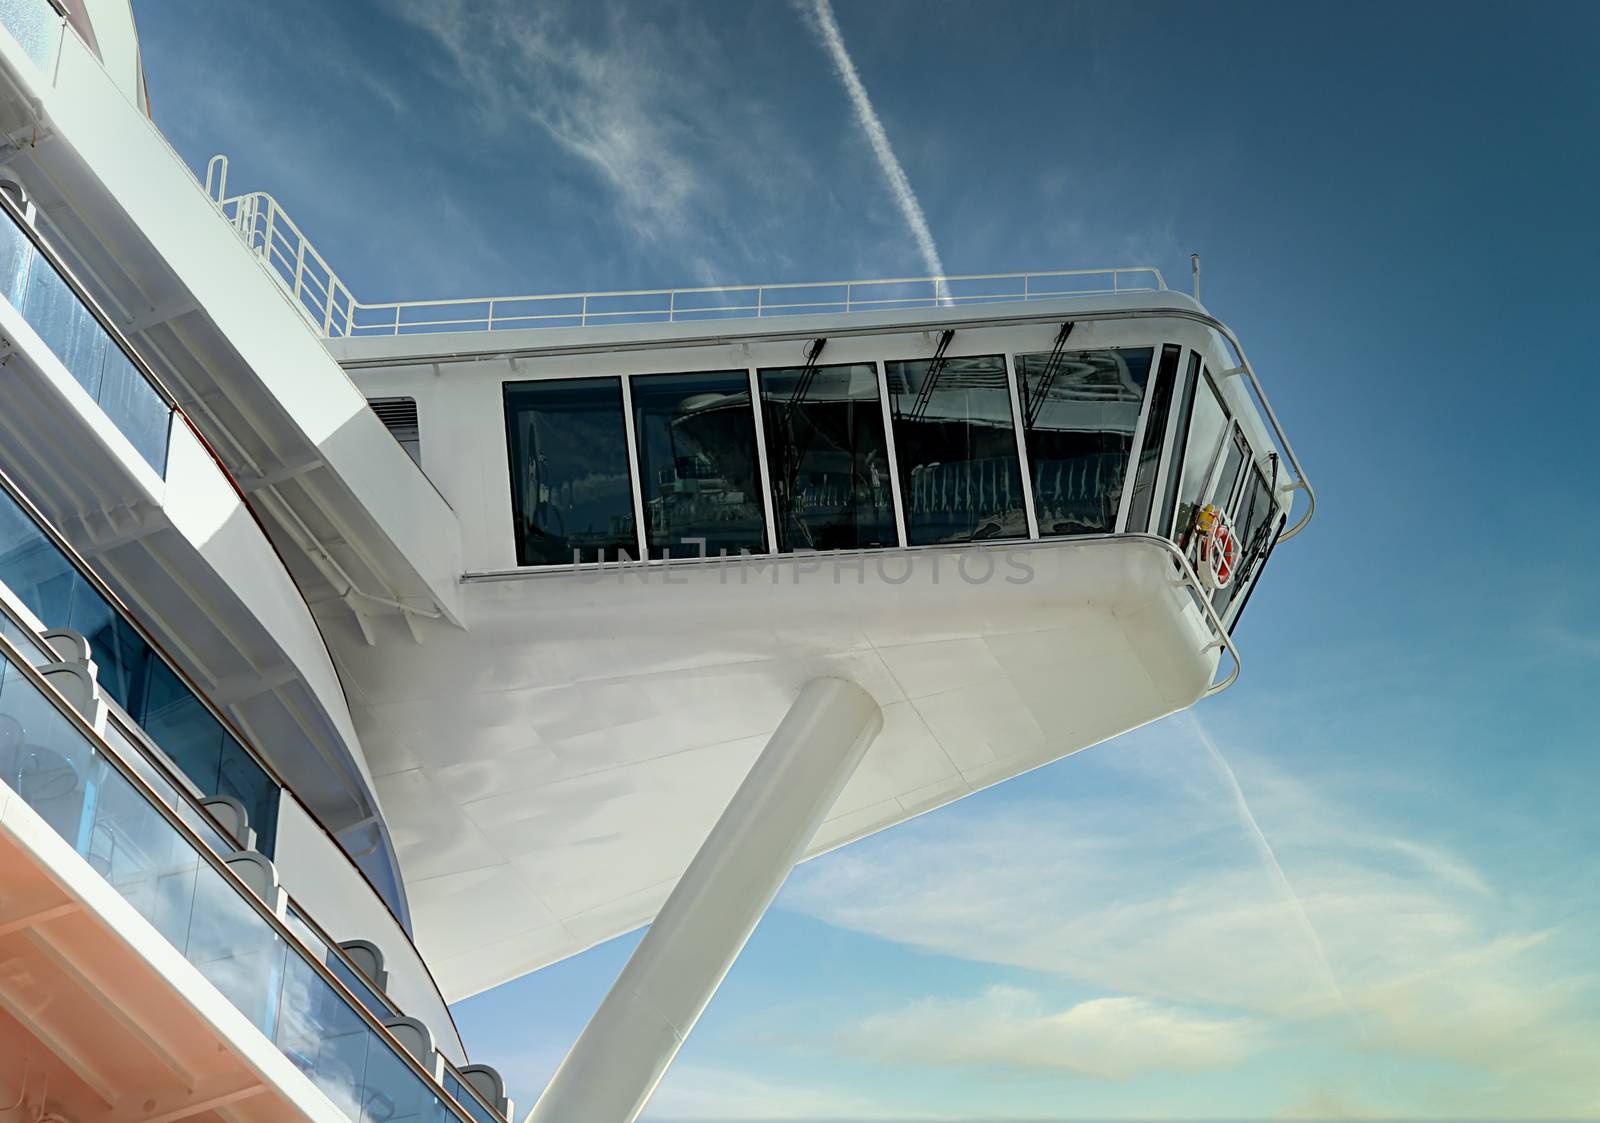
[[65, 325], [16, 255], [697, 464], [33, 568]]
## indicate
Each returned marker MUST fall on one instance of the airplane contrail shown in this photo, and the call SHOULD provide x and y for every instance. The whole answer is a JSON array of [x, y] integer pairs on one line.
[[899, 186]]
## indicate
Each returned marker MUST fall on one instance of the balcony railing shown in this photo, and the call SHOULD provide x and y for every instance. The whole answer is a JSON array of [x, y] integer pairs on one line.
[[164, 855]]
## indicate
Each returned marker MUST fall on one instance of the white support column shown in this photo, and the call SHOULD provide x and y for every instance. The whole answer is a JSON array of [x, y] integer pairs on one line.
[[628, 1044]]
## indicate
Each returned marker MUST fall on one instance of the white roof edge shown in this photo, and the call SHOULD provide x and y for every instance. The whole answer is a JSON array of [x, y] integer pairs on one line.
[[377, 350]]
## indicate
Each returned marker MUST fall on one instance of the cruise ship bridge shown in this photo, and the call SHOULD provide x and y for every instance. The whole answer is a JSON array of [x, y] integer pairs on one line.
[[359, 657]]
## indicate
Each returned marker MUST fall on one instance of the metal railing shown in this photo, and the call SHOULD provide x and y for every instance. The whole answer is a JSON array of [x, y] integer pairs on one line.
[[87, 791], [327, 302]]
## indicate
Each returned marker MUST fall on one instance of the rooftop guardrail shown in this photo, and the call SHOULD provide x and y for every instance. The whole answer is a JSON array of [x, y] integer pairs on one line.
[[333, 310]]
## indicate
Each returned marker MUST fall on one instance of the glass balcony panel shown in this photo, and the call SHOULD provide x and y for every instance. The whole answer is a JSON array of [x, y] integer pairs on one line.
[[572, 496], [1079, 411], [143, 857], [956, 449], [470, 1103], [827, 458], [396, 1094], [57, 770], [324, 1037], [233, 948], [55, 312], [42, 757], [697, 464], [33, 24]]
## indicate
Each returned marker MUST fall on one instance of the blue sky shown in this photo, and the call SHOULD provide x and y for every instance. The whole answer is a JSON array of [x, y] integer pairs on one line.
[[1395, 207]]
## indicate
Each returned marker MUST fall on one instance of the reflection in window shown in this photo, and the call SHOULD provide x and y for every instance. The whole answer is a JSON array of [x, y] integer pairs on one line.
[[957, 450], [827, 457], [1207, 423], [1253, 520], [1079, 411], [570, 492], [1155, 437], [697, 464]]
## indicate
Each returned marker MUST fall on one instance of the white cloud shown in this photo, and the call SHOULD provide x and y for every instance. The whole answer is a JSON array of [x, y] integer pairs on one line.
[[708, 1095], [1010, 1027], [1167, 899]]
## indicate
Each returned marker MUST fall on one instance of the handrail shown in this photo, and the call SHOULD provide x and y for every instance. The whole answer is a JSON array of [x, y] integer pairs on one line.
[[141, 741], [98, 742], [1191, 580]]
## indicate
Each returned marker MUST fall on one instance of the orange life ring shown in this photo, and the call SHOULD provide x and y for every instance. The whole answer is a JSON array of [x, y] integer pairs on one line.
[[1218, 548]]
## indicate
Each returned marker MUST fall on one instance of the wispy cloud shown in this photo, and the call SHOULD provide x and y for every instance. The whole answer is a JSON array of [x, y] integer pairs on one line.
[[1170, 905], [820, 16], [638, 103], [1012, 1027], [709, 1095]]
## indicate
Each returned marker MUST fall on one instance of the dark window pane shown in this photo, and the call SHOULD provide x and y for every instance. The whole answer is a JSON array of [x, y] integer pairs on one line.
[[182, 727], [239, 775], [697, 464], [1079, 411], [956, 449], [570, 493], [120, 654], [138, 410], [32, 567], [1253, 525], [1236, 454], [827, 457], [1155, 437], [1208, 424], [1180, 443]]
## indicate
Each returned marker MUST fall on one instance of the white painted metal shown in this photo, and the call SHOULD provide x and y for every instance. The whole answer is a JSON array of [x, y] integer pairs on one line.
[[627, 1046]]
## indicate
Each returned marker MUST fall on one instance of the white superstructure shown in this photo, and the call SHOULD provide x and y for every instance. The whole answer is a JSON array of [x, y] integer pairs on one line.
[[316, 716]]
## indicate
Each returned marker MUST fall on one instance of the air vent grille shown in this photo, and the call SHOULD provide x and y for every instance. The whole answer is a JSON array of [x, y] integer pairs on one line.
[[399, 416]]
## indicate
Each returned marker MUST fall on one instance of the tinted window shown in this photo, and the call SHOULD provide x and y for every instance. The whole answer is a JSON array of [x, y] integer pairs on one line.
[[1155, 435], [1254, 522], [827, 457], [1207, 424], [956, 449], [697, 464], [1079, 411], [571, 497]]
